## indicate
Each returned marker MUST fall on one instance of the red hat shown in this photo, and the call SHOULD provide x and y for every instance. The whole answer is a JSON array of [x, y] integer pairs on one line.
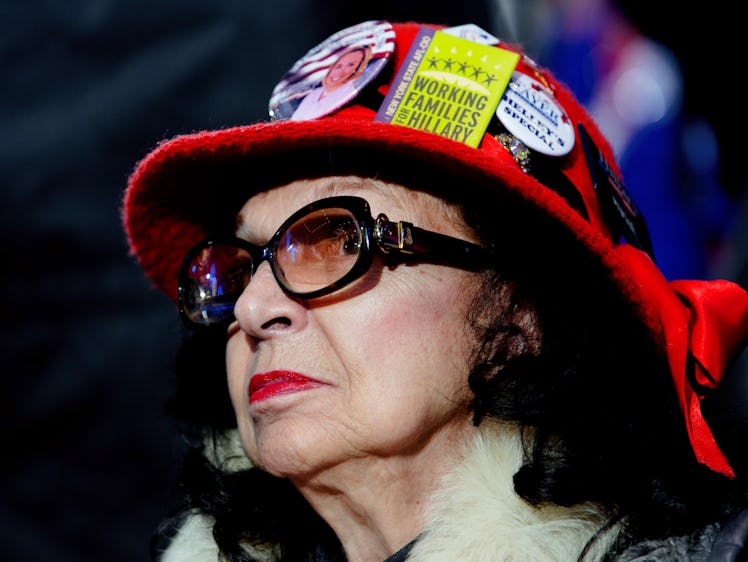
[[189, 184]]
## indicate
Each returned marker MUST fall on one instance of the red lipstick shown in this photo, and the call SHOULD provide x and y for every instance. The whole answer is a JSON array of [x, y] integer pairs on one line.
[[273, 383]]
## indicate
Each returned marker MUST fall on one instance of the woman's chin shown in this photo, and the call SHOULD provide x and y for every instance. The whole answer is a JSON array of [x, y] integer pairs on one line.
[[291, 452]]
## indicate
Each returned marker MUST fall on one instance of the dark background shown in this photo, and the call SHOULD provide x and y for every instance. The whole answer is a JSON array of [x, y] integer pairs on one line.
[[88, 88]]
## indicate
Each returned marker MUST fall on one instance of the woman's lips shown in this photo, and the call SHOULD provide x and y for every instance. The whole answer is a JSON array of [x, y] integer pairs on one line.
[[273, 383]]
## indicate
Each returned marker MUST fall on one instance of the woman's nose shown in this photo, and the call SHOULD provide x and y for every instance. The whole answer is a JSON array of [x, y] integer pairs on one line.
[[264, 310]]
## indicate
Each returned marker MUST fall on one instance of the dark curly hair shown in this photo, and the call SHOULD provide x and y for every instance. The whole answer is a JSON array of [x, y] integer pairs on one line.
[[606, 422]]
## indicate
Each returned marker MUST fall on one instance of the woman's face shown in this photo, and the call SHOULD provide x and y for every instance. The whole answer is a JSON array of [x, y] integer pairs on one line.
[[375, 370], [343, 69]]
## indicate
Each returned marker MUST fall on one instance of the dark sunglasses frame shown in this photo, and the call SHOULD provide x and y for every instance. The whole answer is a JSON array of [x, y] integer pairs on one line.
[[401, 241]]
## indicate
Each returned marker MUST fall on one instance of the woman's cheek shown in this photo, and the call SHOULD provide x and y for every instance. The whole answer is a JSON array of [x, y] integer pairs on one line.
[[237, 358], [236, 368]]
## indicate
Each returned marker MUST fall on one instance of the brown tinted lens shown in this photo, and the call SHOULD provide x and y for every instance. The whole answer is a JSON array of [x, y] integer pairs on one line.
[[216, 276], [318, 250]]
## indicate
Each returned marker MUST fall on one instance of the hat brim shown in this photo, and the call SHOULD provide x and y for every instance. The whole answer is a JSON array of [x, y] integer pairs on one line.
[[192, 185]]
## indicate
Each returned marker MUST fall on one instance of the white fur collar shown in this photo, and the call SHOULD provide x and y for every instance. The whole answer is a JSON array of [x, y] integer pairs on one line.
[[478, 517], [193, 542], [475, 517]]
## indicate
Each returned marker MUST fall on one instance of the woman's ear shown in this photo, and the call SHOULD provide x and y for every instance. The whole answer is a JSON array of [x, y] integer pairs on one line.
[[527, 337], [508, 325]]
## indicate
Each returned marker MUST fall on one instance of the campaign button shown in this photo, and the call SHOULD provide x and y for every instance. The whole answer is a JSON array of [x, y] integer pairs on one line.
[[334, 72], [530, 112]]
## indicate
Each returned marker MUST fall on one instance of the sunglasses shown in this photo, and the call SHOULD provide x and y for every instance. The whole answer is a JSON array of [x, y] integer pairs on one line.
[[321, 248]]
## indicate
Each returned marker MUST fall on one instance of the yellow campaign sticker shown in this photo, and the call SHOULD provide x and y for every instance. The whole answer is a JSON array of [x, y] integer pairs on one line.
[[448, 86]]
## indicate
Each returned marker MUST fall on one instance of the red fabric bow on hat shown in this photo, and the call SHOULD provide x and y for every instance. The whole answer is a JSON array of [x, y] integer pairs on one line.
[[702, 321]]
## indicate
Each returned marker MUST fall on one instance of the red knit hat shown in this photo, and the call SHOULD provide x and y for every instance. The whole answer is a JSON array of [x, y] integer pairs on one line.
[[181, 190]]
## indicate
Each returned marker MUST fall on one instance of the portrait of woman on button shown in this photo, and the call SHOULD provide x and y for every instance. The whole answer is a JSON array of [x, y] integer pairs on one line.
[[338, 86]]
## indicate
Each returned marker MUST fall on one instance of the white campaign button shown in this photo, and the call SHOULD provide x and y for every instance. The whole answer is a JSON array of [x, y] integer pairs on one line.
[[473, 33], [530, 112]]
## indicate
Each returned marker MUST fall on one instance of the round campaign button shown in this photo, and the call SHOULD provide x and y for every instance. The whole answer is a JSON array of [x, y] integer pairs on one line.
[[530, 112], [334, 72]]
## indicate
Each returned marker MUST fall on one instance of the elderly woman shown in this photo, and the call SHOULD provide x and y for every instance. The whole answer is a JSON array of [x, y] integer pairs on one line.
[[428, 326]]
